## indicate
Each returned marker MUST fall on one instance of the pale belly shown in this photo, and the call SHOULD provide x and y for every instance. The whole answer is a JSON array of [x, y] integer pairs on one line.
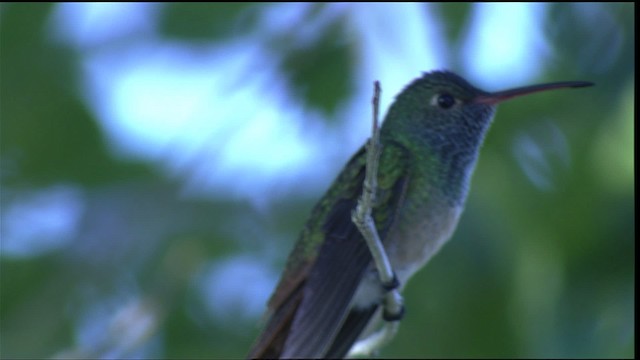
[[409, 249]]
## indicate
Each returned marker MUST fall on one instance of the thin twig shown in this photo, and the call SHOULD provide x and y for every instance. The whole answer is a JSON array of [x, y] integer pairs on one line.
[[365, 223]]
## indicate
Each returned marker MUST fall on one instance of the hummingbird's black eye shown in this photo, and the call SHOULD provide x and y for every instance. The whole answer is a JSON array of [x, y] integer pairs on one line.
[[446, 101]]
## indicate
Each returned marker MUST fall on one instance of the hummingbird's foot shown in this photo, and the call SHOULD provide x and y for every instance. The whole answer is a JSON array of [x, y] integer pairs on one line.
[[392, 305], [392, 284], [389, 316], [392, 313]]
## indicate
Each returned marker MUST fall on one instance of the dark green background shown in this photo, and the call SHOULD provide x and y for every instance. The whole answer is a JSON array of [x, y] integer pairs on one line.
[[529, 272]]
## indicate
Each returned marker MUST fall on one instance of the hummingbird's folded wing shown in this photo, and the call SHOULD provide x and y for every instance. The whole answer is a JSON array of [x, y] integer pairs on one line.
[[312, 301], [331, 284]]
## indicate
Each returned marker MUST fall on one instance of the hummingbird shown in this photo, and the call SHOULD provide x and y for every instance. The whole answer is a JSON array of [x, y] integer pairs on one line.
[[430, 139]]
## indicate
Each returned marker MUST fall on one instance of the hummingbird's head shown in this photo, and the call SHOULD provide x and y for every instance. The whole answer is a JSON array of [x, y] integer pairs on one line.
[[445, 111], [443, 119], [440, 108]]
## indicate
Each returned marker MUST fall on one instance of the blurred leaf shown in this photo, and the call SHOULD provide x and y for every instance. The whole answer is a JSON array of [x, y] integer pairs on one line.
[[48, 134], [321, 71], [32, 307], [455, 16], [207, 21], [580, 49]]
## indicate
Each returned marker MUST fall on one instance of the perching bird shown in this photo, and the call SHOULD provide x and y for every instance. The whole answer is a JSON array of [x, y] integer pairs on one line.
[[330, 290]]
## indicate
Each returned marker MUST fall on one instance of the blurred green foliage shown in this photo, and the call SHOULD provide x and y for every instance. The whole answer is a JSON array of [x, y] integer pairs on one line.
[[529, 273]]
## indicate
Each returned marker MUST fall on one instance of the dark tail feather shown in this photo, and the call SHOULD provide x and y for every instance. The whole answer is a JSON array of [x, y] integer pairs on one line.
[[270, 343], [352, 328]]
